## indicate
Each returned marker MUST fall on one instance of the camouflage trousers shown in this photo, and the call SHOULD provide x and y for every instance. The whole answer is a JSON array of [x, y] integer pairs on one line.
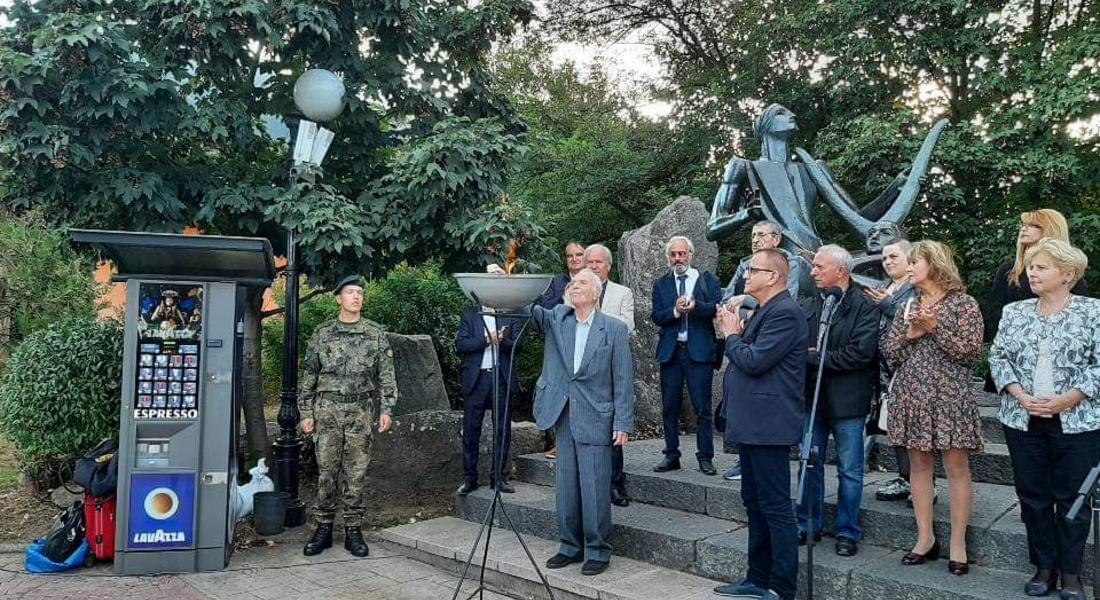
[[343, 437]]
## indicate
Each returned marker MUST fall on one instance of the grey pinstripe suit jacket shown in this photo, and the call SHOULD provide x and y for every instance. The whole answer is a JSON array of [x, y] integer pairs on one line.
[[601, 393]]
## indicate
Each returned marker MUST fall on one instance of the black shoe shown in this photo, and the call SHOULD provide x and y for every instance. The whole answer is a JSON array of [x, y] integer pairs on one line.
[[594, 567], [957, 568], [667, 464], [560, 560], [802, 538], [466, 488], [707, 467], [1042, 584], [353, 542], [505, 487], [1072, 588], [846, 546], [321, 540], [619, 497], [913, 558]]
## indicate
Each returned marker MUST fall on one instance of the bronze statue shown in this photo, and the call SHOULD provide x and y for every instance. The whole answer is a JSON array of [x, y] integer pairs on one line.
[[784, 189]]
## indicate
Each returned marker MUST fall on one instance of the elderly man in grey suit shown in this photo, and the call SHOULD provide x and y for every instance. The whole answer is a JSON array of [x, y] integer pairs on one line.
[[586, 393]]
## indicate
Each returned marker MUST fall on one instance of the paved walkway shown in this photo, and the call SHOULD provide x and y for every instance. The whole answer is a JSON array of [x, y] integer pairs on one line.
[[257, 573]]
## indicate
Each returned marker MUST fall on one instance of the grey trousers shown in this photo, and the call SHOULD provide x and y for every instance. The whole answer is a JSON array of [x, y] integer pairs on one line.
[[583, 495]]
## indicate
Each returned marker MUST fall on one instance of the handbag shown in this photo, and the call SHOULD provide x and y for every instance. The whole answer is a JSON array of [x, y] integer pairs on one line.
[[884, 404], [97, 470], [66, 535]]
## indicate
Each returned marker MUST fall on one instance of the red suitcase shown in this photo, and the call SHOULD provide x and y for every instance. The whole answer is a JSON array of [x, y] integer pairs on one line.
[[99, 513]]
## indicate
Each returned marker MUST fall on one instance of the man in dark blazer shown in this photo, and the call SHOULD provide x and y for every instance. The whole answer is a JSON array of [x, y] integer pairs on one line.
[[486, 352], [574, 262], [586, 393], [848, 385], [684, 304], [764, 400]]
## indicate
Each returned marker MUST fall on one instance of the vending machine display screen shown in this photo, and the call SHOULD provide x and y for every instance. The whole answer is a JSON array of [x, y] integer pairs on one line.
[[169, 351]]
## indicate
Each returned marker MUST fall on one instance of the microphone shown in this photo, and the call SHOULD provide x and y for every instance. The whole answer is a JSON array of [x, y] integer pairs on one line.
[[832, 296]]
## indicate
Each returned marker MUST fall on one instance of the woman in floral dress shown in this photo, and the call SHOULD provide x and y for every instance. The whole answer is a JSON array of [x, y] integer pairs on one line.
[[934, 342]]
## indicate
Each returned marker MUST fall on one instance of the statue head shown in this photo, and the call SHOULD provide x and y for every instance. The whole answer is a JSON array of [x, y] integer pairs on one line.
[[775, 122], [882, 234]]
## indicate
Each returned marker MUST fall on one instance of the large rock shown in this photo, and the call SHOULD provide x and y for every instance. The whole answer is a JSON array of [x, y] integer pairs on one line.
[[423, 452], [419, 377], [641, 261], [526, 439]]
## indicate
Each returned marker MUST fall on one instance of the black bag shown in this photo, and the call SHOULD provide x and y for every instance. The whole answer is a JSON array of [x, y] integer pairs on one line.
[[66, 535], [720, 416], [97, 473]]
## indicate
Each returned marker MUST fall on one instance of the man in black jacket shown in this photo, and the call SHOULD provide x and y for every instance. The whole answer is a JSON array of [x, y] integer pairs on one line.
[[848, 385]]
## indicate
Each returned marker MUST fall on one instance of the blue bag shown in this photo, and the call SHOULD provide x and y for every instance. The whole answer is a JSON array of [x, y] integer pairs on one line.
[[36, 562]]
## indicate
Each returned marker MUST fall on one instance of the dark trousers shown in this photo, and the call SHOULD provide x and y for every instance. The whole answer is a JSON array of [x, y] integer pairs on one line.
[[773, 532], [678, 370], [1048, 467], [476, 403], [618, 478]]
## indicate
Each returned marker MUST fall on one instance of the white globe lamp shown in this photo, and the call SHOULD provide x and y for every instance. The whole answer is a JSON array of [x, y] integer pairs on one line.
[[319, 94]]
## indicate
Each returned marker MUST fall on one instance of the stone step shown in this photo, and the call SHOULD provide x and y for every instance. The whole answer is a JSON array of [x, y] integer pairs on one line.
[[996, 534], [992, 430], [446, 542], [702, 546]]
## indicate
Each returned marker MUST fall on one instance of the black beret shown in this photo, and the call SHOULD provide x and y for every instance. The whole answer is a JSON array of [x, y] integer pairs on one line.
[[349, 280]]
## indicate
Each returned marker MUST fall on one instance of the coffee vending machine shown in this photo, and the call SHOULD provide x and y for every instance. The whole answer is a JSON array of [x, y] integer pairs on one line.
[[181, 391]]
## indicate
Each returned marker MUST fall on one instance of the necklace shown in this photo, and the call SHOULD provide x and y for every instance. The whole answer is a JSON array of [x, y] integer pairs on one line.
[[1050, 313]]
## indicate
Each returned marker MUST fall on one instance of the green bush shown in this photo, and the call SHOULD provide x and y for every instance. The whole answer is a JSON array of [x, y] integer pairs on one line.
[[61, 392], [311, 314], [42, 278]]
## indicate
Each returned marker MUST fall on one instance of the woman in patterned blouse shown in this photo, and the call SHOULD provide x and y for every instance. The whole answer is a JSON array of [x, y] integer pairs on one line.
[[1046, 363], [933, 343]]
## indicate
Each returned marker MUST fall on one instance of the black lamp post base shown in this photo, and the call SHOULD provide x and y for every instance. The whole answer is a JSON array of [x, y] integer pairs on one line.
[[295, 514]]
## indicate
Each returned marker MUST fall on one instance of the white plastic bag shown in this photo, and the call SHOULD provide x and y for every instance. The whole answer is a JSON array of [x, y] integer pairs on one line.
[[260, 483]]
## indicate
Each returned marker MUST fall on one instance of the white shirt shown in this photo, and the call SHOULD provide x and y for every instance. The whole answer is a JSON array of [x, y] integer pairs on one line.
[[581, 339], [689, 290], [490, 325]]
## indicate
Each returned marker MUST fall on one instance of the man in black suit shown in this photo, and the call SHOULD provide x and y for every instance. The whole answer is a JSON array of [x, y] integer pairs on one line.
[[487, 352], [848, 384], [574, 262], [684, 304], [763, 390]]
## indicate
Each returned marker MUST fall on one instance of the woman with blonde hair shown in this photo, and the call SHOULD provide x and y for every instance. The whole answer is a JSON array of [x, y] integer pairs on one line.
[[1045, 362], [933, 343], [1010, 283]]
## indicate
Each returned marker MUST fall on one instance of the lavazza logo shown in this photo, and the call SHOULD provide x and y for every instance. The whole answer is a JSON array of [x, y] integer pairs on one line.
[[159, 536], [166, 413]]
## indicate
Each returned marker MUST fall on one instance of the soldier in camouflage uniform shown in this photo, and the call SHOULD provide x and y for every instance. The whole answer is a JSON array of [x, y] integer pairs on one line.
[[349, 365]]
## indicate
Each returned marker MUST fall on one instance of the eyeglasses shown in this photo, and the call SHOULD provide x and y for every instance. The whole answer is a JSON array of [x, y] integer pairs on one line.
[[753, 270]]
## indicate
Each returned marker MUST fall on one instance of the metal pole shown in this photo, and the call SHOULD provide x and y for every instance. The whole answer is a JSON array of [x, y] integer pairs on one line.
[[288, 446]]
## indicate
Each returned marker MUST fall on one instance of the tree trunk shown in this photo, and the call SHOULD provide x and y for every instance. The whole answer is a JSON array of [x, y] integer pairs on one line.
[[252, 403]]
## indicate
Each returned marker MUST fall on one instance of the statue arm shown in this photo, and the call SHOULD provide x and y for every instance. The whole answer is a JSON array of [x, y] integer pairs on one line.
[[723, 216], [829, 191], [844, 195]]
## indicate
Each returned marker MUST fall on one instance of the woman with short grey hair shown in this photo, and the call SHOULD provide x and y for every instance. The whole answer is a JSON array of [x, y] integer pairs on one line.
[[1045, 362]]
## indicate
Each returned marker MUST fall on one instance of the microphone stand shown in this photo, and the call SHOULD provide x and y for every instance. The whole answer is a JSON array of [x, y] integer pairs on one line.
[[500, 409], [1091, 487], [808, 453]]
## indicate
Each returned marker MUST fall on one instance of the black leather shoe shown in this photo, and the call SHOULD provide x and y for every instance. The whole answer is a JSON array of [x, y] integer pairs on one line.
[[707, 467], [619, 497], [846, 546], [560, 560], [1042, 584], [667, 464], [913, 558], [505, 487], [466, 488], [321, 540], [957, 568], [802, 538], [353, 542], [1072, 588], [594, 567]]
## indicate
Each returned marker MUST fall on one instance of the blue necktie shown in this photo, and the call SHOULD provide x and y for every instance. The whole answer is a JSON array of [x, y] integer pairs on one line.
[[683, 292]]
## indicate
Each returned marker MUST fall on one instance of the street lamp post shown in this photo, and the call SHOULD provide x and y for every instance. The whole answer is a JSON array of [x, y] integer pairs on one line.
[[319, 96]]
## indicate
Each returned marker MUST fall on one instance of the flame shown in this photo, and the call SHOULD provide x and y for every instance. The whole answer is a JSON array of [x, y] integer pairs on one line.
[[513, 256]]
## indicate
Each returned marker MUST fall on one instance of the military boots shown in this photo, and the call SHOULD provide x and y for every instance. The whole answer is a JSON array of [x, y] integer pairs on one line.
[[321, 540], [353, 542]]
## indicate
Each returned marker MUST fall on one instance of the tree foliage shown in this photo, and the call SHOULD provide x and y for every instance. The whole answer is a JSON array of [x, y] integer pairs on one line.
[[867, 77], [155, 114]]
